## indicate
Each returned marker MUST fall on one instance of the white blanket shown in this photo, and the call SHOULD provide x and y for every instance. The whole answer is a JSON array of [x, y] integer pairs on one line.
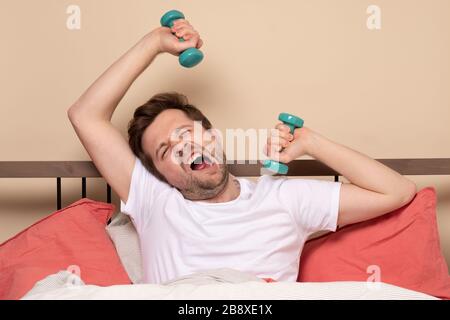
[[67, 286]]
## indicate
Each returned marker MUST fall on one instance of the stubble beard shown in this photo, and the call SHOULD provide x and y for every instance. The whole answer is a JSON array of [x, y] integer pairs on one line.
[[204, 189]]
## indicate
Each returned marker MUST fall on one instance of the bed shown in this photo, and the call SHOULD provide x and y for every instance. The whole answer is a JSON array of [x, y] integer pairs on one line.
[[249, 290]]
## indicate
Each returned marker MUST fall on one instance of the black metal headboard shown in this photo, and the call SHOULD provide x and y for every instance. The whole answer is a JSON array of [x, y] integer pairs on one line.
[[87, 169]]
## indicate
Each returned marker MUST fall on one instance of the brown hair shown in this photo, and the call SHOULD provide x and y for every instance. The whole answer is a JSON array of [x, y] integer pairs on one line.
[[146, 114]]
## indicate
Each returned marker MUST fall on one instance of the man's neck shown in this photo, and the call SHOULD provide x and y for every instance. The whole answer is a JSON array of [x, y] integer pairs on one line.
[[230, 192]]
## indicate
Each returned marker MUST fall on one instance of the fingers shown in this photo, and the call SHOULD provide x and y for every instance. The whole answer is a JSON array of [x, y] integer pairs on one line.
[[277, 155], [183, 29], [199, 44], [277, 143], [182, 32], [279, 137], [283, 128], [179, 22]]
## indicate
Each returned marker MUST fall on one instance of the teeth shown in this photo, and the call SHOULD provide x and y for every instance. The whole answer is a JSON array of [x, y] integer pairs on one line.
[[207, 160], [194, 157], [198, 160], [198, 157]]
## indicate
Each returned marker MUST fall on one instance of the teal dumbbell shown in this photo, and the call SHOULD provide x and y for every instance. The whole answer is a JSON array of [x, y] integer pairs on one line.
[[189, 57], [292, 122]]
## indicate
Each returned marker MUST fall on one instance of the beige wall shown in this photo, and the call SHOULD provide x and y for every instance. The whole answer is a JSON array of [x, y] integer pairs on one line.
[[384, 93]]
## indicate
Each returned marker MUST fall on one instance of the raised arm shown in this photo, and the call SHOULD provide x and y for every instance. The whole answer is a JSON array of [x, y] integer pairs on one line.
[[91, 114], [374, 188]]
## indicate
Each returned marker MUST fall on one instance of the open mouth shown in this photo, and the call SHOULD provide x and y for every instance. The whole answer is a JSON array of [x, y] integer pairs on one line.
[[200, 162]]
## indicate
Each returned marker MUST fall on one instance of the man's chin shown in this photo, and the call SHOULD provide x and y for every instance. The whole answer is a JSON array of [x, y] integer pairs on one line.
[[207, 183], [210, 178]]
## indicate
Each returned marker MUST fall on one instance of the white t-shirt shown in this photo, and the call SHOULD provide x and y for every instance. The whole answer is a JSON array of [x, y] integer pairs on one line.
[[261, 232]]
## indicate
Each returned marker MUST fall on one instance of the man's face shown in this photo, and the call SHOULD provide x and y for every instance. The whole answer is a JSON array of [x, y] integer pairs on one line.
[[186, 161]]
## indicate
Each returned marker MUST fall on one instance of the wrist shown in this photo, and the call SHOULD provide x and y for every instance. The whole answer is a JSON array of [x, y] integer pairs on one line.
[[311, 141], [151, 42]]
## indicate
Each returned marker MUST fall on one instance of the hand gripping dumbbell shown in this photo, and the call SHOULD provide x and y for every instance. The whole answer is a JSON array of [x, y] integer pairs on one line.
[[292, 122], [189, 57]]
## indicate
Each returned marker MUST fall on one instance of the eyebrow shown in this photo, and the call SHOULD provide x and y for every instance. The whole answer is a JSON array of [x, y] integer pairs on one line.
[[164, 143]]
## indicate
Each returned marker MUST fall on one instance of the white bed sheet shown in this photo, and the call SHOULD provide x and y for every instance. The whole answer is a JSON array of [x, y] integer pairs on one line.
[[251, 290]]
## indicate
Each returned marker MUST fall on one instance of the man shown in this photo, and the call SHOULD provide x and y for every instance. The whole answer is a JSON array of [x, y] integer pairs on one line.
[[193, 215]]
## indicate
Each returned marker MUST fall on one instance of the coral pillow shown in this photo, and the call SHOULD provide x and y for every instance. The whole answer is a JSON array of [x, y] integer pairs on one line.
[[402, 247], [72, 236]]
